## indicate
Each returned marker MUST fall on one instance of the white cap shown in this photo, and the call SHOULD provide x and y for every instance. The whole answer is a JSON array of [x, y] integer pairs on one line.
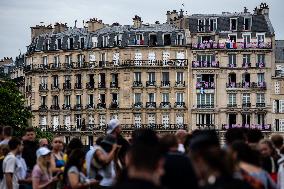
[[112, 125], [42, 151]]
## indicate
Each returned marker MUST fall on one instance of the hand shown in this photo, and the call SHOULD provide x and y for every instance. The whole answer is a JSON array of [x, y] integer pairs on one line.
[[54, 179]]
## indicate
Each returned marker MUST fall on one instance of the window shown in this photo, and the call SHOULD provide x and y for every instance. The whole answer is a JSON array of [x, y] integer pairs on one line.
[[43, 81], [246, 58], [90, 99], [246, 98], [44, 60], [151, 119], [281, 106], [232, 99], [43, 100], [260, 119], [151, 97], [261, 58], [92, 57], [166, 76], [70, 43], [205, 99], [137, 98], [213, 24], [260, 77], [165, 120], [55, 101], [82, 42], [137, 76], [42, 120], [247, 38], [260, 37], [68, 59], [205, 119], [139, 39], [179, 77], [137, 120], [179, 40], [179, 97], [91, 120], [67, 78], [56, 61], [55, 121], [117, 40], [167, 39], [102, 119], [260, 98], [115, 59], [201, 25], [55, 81], [277, 87], [138, 59], [151, 76], [105, 41], [78, 120], [179, 119], [67, 100], [67, 120], [208, 58], [166, 57], [165, 97], [246, 119], [59, 44], [151, 58], [153, 40], [233, 24], [247, 23], [232, 59], [95, 41]]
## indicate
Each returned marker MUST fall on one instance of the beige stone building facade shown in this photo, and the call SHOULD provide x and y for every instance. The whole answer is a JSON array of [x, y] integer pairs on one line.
[[192, 72]]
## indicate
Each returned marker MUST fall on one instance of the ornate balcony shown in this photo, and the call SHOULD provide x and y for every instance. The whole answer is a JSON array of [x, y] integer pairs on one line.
[[137, 84], [150, 104], [165, 83], [43, 87], [207, 45], [205, 85], [55, 66], [205, 64], [66, 107], [68, 65], [90, 85], [179, 104], [42, 108], [150, 83], [55, 107], [206, 126], [101, 105], [205, 106], [260, 105], [246, 105], [113, 84], [67, 86], [78, 85], [262, 127], [246, 65], [78, 107], [90, 106], [102, 85], [113, 105], [138, 105], [260, 65], [165, 105], [232, 65], [54, 87], [232, 105], [180, 84]]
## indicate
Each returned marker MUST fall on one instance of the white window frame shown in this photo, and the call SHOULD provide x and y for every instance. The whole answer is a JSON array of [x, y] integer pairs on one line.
[[199, 23], [232, 25], [215, 22], [277, 87], [246, 98], [250, 22], [180, 77], [179, 97], [232, 98], [260, 98]]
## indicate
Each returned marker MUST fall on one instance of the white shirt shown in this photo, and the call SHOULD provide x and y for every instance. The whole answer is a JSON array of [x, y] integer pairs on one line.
[[10, 166]]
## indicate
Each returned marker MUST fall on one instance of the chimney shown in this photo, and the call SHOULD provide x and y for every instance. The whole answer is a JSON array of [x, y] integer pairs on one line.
[[94, 24], [171, 16], [137, 21], [40, 29], [264, 9], [59, 27]]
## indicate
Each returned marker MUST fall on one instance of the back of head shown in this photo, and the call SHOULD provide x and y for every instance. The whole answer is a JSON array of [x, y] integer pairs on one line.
[[14, 143], [74, 159], [277, 140], [168, 142], [181, 135], [7, 131], [234, 134], [75, 143], [254, 135]]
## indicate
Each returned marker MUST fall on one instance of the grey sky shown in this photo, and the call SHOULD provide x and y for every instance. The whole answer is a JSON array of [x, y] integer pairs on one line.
[[17, 16]]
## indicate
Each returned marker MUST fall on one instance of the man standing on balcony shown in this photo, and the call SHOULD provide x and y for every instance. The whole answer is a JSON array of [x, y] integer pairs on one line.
[[115, 130]]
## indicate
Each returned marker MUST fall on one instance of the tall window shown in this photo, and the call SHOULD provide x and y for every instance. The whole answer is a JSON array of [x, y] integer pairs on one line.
[[232, 59], [232, 99], [67, 100], [165, 119], [151, 119], [151, 76], [205, 99], [246, 119], [213, 24], [261, 58], [44, 60], [246, 38], [207, 57], [247, 23], [260, 98], [246, 58], [233, 24], [277, 87], [43, 100], [90, 99], [179, 97], [201, 25], [137, 76], [246, 98], [205, 119], [55, 100], [137, 98], [165, 76], [179, 77], [260, 77], [152, 97], [165, 97]]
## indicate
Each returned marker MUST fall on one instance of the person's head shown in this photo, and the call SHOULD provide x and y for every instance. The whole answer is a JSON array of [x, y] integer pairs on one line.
[[277, 140], [181, 136], [242, 152], [15, 145], [4, 149], [1, 133], [43, 142], [76, 158], [75, 143], [114, 127], [57, 144], [234, 134], [169, 143], [145, 154], [254, 136], [7, 131], [43, 155], [266, 148], [30, 134], [108, 142]]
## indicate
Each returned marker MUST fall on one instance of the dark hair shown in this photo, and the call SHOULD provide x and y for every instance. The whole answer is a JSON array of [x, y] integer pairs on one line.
[[145, 151], [1, 130], [74, 143], [14, 143], [168, 141], [74, 159], [30, 129], [277, 140], [7, 131], [234, 134], [254, 135], [246, 153], [270, 145]]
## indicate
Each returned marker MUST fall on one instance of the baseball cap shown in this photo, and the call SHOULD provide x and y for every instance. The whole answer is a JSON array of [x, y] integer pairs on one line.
[[112, 125], [42, 151]]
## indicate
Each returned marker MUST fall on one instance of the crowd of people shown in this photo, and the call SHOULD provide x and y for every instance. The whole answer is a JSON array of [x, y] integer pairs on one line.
[[144, 161]]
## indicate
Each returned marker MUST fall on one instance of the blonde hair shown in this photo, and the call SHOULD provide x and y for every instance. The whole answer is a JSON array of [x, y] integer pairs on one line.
[[44, 165]]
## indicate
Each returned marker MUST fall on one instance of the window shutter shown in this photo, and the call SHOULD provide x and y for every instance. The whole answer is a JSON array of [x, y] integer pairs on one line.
[[281, 106]]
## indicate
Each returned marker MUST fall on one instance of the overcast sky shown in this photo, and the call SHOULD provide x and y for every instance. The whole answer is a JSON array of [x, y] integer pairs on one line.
[[17, 16]]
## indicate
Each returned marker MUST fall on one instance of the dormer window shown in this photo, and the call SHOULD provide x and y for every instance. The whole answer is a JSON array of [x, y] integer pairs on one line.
[[58, 44], [70, 43], [153, 40], [82, 42], [105, 41], [247, 23], [167, 39], [179, 40], [46, 45], [213, 24], [95, 41], [139, 40], [201, 25], [233, 24], [117, 40]]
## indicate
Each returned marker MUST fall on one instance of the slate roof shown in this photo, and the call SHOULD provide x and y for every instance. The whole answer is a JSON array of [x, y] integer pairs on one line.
[[279, 51]]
